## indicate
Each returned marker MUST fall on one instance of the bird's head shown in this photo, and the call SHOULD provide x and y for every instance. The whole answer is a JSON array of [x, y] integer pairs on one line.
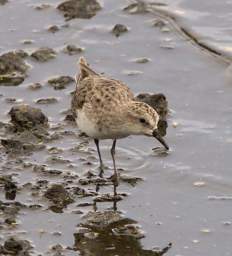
[[143, 120]]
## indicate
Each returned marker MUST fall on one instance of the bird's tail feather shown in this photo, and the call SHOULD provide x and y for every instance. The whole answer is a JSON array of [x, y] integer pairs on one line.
[[85, 70]]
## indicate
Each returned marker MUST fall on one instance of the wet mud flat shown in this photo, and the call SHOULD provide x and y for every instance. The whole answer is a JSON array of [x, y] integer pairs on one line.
[[52, 200]]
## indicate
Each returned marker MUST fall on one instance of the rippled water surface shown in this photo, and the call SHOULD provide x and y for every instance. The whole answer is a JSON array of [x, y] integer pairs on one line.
[[185, 195]]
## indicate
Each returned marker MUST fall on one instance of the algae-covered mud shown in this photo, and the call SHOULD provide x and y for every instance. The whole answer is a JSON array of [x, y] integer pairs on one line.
[[175, 55]]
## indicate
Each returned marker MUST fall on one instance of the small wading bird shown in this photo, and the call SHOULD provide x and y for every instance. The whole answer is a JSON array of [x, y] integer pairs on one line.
[[105, 108]]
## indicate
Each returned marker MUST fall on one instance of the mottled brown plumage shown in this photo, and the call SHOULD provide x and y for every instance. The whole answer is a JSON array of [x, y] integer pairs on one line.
[[105, 108]]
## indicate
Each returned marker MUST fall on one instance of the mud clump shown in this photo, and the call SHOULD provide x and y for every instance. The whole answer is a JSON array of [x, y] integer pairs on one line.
[[53, 29], [71, 49], [2, 2], [43, 54], [160, 104], [130, 180], [59, 197], [27, 117], [15, 246], [10, 187], [119, 29], [84, 9], [50, 100], [19, 147], [13, 68], [13, 62], [35, 86], [61, 82], [13, 79]]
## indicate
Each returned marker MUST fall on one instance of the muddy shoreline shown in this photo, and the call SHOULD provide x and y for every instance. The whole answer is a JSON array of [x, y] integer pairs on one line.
[[52, 201]]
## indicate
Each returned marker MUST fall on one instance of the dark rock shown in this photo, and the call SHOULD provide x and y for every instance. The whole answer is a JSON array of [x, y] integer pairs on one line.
[[84, 204], [18, 147], [59, 83], [35, 86], [49, 100], [53, 29], [43, 54], [10, 190], [71, 49], [84, 9], [13, 79], [108, 198], [142, 60], [59, 196], [12, 100], [70, 117], [12, 68], [27, 41], [12, 62], [15, 246], [82, 192], [119, 29], [160, 104], [2, 2], [27, 117], [10, 221], [130, 180]]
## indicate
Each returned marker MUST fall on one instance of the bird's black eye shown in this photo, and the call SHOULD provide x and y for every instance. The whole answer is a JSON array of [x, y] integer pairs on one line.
[[142, 120]]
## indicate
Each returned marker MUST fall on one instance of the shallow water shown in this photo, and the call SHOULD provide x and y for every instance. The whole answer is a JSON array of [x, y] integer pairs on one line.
[[181, 197]]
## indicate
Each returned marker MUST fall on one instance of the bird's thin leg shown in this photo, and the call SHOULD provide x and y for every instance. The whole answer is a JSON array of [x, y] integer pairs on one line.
[[101, 167], [115, 176]]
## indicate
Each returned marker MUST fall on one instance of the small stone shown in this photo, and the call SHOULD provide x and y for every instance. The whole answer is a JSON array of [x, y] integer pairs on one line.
[[43, 54], [57, 233], [14, 246], [227, 223], [159, 23], [199, 183], [13, 100], [119, 29], [27, 117], [205, 231], [53, 29], [165, 29], [27, 41], [72, 9], [175, 124], [141, 60], [132, 72], [49, 100], [13, 79], [58, 195], [71, 49], [59, 83], [42, 7], [35, 86]]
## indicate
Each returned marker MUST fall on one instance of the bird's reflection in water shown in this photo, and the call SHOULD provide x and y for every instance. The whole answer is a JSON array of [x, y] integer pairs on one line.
[[109, 233]]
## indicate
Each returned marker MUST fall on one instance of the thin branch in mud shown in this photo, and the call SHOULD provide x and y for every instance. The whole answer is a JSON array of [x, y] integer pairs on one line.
[[140, 6]]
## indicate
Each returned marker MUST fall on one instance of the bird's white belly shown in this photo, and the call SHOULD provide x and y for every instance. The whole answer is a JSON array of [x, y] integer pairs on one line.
[[86, 125], [89, 127]]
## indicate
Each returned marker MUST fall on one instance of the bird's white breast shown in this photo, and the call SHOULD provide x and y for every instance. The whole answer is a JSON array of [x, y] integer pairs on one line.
[[86, 125]]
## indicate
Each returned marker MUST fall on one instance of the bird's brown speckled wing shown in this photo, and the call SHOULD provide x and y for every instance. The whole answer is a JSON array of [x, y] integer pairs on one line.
[[100, 91]]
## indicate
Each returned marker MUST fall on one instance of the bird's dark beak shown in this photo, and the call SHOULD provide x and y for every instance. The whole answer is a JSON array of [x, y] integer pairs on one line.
[[160, 139]]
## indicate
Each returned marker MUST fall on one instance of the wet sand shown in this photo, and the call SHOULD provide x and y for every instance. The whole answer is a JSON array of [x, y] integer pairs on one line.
[[183, 197]]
